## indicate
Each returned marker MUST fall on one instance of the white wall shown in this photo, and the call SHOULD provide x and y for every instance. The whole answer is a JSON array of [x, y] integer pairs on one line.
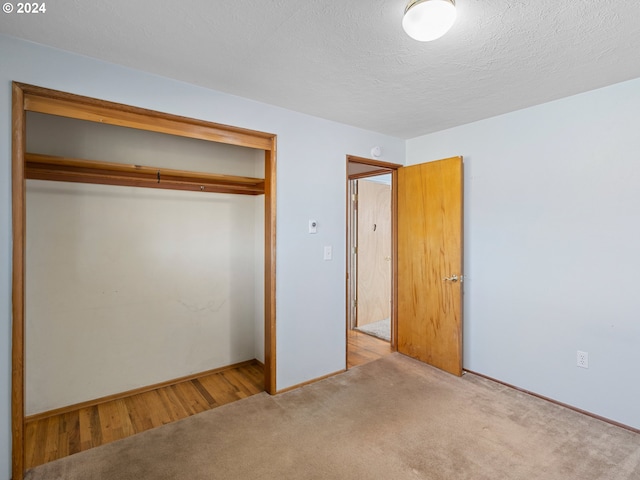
[[129, 287], [259, 312], [386, 179], [311, 184], [552, 223]]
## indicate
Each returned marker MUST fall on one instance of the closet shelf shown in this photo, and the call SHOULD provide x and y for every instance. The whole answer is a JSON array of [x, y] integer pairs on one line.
[[62, 169]]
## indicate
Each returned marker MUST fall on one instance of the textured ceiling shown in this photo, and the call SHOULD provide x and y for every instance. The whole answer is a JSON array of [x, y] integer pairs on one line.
[[350, 61]]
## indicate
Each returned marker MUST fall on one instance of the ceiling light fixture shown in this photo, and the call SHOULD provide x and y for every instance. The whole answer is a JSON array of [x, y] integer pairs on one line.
[[426, 20]]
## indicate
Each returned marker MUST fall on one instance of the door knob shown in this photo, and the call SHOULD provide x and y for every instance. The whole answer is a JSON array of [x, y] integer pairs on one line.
[[452, 278]]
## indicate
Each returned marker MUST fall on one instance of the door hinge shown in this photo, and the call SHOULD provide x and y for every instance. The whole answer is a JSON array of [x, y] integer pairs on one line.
[[354, 250]]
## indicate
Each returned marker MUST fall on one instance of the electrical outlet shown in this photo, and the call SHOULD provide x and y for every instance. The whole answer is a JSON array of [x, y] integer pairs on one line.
[[582, 359]]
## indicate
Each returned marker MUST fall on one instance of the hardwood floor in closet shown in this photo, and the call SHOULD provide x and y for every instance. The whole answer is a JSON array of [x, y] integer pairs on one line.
[[61, 435], [363, 348]]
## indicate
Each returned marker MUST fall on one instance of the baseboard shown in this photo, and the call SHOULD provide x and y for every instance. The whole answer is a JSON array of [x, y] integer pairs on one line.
[[136, 391], [294, 387], [551, 400]]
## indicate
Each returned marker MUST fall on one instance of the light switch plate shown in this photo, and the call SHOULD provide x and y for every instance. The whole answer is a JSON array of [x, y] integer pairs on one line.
[[328, 253], [313, 226]]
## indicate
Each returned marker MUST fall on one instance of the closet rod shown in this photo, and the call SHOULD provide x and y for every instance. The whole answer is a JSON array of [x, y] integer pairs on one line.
[[47, 167]]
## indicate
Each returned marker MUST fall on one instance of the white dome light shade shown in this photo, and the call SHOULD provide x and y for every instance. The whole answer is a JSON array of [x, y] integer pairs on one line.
[[426, 20]]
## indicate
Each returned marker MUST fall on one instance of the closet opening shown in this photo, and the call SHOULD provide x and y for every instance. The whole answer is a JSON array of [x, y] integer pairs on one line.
[[143, 269]]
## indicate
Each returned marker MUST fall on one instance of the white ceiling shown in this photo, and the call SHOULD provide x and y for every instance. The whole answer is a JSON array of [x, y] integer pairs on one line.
[[350, 61]]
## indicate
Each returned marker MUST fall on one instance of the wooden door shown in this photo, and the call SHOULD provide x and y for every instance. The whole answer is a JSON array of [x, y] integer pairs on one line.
[[373, 292], [430, 263]]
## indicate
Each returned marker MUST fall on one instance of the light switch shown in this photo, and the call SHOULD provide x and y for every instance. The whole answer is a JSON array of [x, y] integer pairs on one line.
[[328, 253], [313, 226]]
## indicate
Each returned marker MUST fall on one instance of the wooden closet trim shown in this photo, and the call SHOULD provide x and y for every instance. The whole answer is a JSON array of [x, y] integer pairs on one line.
[[18, 271], [43, 100]]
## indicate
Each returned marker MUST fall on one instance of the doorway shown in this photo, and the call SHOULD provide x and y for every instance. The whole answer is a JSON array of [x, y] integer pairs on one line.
[[370, 266], [427, 267], [371, 204]]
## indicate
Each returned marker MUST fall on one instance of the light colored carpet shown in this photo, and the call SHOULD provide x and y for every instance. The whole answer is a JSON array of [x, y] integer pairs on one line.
[[380, 329], [392, 419]]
